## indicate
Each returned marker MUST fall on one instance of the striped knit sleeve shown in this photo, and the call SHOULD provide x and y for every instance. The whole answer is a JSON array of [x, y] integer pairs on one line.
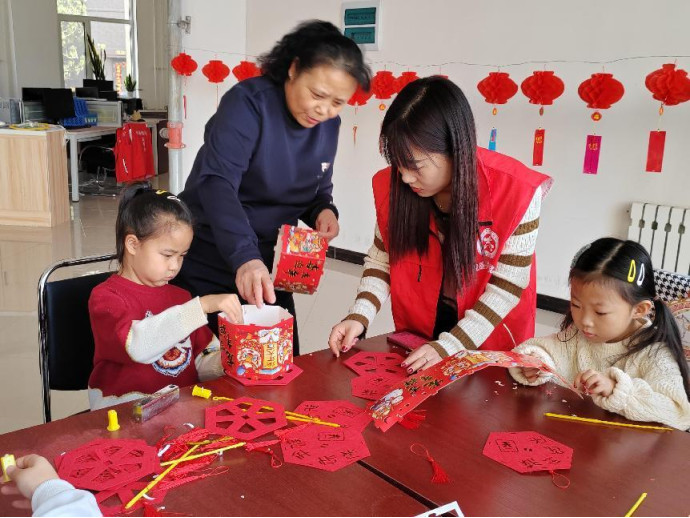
[[502, 294], [375, 285]]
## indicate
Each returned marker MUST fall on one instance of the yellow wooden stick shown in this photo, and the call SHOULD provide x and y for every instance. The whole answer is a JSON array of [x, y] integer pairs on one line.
[[288, 414], [611, 423], [199, 455], [637, 504], [160, 477], [313, 421]]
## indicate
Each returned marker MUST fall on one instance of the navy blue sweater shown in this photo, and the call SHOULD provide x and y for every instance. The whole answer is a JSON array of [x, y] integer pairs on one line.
[[257, 170]]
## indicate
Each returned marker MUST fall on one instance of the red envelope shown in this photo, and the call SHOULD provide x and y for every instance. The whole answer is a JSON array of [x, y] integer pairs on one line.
[[346, 414], [321, 447], [108, 463], [300, 254], [366, 362], [261, 347], [245, 418], [526, 452]]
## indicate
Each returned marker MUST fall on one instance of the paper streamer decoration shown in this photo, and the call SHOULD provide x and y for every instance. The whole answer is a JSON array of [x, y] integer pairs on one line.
[[345, 413], [592, 150], [538, 149], [245, 418], [328, 449], [655, 151], [408, 393], [300, 255]]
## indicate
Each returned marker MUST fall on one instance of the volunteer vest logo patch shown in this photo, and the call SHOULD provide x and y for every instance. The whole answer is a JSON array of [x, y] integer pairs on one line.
[[487, 244], [176, 359]]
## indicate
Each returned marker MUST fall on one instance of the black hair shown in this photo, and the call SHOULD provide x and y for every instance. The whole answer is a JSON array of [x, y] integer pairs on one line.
[[314, 43], [433, 115], [626, 267], [145, 213]]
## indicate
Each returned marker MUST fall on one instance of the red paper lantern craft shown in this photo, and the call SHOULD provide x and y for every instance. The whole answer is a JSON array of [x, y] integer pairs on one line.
[[346, 414], [246, 70], [360, 97], [184, 64], [526, 452], [668, 85], [320, 447], [405, 79], [383, 86], [366, 362], [600, 92], [108, 463], [291, 372], [112, 502], [542, 88], [497, 88], [245, 418], [216, 71], [374, 386]]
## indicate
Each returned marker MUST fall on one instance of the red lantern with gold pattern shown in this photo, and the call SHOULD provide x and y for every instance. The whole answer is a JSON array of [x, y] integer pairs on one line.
[[542, 88], [600, 92], [184, 64], [246, 70]]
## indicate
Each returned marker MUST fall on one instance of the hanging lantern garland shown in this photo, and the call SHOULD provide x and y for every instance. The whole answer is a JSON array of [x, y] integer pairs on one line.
[[600, 92], [216, 71], [246, 70], [497, 88], [383, 86], [671, 87], [359, 98], [185, 66], [405, 79], [542, 88]]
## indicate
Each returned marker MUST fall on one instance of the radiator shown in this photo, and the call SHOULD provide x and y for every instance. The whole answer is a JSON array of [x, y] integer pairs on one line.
[[662, 231]]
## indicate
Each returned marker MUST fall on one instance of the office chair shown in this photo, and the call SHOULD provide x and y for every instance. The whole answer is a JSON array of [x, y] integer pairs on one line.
[[66, 345]]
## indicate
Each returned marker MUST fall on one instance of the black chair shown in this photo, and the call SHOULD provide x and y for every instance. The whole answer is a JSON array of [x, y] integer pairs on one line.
[[66, 344]]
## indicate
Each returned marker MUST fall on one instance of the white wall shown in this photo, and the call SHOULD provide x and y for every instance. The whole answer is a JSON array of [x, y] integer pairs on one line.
[[580, 207], [218, 32], [154, 59]]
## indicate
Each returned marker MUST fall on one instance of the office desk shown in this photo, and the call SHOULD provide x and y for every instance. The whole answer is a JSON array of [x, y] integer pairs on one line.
[[75, 136]]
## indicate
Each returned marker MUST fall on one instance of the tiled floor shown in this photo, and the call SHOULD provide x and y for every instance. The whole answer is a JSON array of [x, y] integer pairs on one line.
[[26, 252]]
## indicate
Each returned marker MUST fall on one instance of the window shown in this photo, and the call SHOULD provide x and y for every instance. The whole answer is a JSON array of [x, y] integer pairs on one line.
[[111, 24]]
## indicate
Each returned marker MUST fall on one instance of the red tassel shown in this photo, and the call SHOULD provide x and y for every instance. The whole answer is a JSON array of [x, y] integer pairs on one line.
[[413, 420], [265, 447], [439, 474]]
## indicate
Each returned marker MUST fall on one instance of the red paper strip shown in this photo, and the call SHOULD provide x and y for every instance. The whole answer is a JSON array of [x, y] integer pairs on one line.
[[538, 151], [592, 154], [655, 151]]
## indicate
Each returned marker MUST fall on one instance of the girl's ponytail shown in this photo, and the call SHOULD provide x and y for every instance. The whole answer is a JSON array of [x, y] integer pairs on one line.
[[665, 330]]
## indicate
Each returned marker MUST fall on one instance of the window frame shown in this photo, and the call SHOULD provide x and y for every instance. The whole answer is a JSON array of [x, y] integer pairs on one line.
[[86, 21]]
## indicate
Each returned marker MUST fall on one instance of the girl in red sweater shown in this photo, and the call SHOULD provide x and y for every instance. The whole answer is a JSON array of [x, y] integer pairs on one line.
[[148, 333]]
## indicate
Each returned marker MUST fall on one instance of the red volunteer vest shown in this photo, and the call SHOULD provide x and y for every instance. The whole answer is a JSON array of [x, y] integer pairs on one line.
[[133, 152], [506, 188]]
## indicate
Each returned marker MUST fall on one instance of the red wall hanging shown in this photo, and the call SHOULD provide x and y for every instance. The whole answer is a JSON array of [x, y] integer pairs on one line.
[[405, 79], [383, 86], [496, 88], [184, 65], [359, 98], [541, 88], [216, 71], [246, 70]]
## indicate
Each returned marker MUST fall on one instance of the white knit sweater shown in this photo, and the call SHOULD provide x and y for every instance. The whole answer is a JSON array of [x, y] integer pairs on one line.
[[649, 386]]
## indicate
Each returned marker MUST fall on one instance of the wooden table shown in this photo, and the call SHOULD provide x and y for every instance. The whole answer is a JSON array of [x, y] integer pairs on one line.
[[611, 467]]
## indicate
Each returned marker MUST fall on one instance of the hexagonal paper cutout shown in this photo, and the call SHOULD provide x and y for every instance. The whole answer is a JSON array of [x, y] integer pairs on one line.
[[245, 418], [367, 362], [322, 447]]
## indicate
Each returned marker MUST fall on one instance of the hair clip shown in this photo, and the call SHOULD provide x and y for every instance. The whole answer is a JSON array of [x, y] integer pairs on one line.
[[640, 277], [168, 195], [579, 254], [632, 271]]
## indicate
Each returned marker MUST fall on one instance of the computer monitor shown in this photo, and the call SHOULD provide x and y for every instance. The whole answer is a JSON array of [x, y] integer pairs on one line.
[[104, 84], [87, 91], [33, 94], [108, 95], [58, 103]]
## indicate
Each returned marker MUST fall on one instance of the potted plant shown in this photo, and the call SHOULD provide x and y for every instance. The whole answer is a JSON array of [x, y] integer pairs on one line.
[[130, 86], [97, 61]]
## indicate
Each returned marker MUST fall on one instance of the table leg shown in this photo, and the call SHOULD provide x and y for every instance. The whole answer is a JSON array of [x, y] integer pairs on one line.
[[74, 167]]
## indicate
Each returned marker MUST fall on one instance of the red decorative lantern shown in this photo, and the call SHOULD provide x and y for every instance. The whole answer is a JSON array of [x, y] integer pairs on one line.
[[184, 64], [600, 92], [405, 79], [383, 85], [216, 71], [668, 85], [542, 88], [246, 70], [497, 88]]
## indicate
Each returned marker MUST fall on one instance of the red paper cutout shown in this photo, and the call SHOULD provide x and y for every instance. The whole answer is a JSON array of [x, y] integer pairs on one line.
[[246, 70], [245, 418], [538, 151], [601, 91], [300, 256], [591, 165], [406, 394], [366, 362], [668, 85], [375, 385], [655, 151], [346, 414], [107, 463], [497, 88], [122, 495], [216, 71], [320, 447], [526, 452], [282, 379], [259, 349], [184, 64]]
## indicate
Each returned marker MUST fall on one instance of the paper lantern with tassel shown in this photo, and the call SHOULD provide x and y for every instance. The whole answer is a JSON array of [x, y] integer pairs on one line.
[[383, 86], [496, 88], [671, 87], [541, 88], [359, 98], [246, 70], [216, 71], [184, 65]]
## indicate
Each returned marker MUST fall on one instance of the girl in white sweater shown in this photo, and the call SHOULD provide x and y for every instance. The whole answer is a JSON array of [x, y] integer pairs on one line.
[[609, 347]]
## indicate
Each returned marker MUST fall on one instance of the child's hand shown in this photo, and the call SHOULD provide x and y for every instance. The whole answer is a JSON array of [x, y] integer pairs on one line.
[[29, 473], [225, 302], [531, 374], [594, 383]]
